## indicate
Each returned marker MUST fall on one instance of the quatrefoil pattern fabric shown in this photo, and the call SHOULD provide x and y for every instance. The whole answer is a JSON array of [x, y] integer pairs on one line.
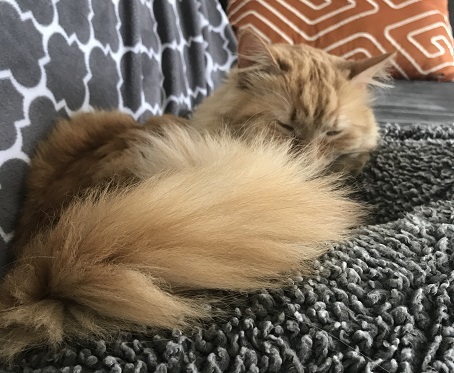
[[142, 57]]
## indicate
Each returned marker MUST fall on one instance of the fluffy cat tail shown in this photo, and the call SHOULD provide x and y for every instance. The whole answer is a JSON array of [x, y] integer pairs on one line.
[[219, 213]]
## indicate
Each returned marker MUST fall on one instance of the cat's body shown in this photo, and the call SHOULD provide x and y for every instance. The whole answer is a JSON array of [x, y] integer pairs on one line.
[[83, 156], [116, 211]]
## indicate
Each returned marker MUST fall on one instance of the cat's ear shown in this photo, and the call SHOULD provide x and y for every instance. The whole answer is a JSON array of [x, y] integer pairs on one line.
[[254, 51], [367, 70]]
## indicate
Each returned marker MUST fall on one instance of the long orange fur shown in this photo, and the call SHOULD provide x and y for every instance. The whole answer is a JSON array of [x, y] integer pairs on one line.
[[301, 93], [193, 211], [120, 220]]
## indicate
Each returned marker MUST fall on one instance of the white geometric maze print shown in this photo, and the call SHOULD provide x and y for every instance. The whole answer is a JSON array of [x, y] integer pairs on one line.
[[344, 11], [418, 30], [396, 4], [322, 4], [439, 45]]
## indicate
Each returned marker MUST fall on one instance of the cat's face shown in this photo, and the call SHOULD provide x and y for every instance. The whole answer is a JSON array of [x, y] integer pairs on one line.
[[304, 93]]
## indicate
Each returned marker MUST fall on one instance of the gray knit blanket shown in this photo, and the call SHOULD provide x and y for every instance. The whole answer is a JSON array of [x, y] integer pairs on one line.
[[379, 303]]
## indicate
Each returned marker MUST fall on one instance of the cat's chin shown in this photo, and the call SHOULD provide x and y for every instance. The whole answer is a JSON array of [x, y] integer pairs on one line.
[[350, 164]]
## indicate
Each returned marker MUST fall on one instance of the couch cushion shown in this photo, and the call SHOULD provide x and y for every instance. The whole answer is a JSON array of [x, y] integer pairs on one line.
[[451, 11], [416, 102], [418, 29]]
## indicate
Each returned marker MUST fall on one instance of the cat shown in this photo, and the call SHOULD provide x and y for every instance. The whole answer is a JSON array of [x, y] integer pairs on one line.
[[120, 220], [303, 93]]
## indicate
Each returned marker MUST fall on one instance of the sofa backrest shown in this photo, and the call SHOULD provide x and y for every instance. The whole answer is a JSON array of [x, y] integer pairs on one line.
[[451, 12]]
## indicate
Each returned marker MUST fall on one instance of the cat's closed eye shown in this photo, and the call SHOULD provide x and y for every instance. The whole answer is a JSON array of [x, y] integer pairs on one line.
[[333, 133], [286, 126]]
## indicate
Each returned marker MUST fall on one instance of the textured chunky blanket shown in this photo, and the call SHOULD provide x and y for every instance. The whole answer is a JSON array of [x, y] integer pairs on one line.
[[379, 303]]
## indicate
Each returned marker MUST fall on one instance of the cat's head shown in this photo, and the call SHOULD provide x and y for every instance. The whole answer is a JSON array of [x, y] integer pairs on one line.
[[302, 92]]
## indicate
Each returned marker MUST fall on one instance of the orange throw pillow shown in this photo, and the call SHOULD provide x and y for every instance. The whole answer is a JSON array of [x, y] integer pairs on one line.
[[419, 30]]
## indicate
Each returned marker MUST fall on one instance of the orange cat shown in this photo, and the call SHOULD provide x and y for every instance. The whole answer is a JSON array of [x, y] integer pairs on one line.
[[303, 93], [120, 220]]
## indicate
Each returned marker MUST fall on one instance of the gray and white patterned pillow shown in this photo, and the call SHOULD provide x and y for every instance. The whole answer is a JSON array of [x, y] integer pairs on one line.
[[143, 57]]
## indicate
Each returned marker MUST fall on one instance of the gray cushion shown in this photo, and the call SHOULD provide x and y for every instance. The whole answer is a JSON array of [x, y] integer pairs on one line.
[[416, 101], [451, 11]]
